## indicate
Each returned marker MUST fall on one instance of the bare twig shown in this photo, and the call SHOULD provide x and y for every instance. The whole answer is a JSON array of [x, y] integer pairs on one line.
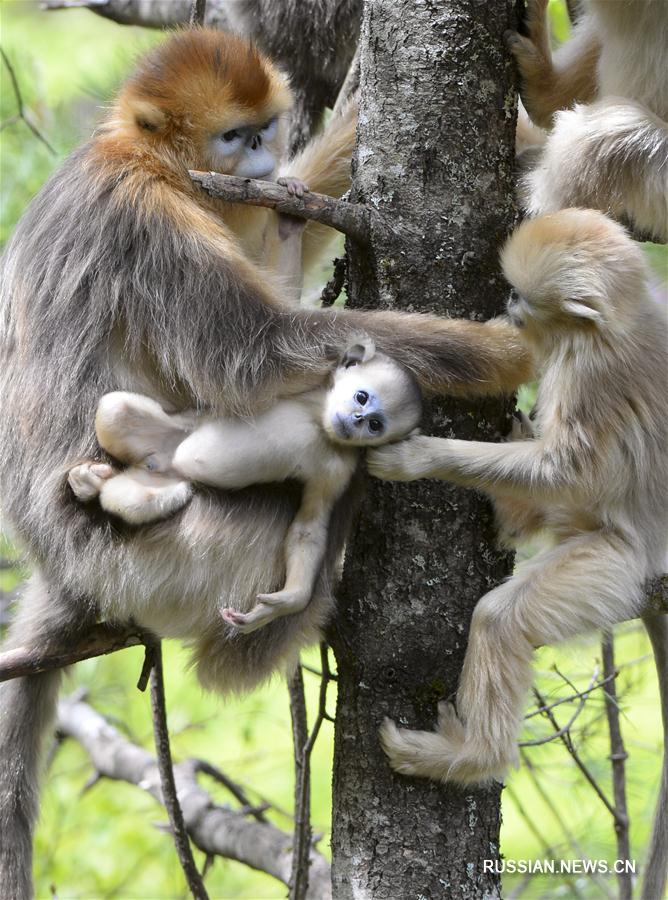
[[303, 743], [99, 641], [169, 795], [353, 219], [197, 13], [567, 727], [235, 789], [618, 756], [576, 695], [333, 288], [215, 829], [568, 744], [22, 113], [302, 829]]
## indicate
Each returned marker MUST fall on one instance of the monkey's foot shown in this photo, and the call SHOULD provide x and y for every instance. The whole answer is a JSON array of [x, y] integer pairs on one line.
[[258, 617], [449, 754], [295, 186], [521, 428], [87, 479]]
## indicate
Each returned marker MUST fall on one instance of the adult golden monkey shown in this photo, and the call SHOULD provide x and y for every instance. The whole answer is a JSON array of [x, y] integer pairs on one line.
[[593, 477], [124, 276]]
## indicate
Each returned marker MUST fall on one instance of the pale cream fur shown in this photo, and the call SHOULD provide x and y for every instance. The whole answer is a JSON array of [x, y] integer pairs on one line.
[[593, 478]]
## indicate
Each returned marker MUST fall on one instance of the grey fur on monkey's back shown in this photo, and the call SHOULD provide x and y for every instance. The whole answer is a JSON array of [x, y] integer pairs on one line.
[[82, 290]]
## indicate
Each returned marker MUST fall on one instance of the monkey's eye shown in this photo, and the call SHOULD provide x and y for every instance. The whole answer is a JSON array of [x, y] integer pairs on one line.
[[361, 397], [269, 128], [231, 135], [375, 426], [514, 296]]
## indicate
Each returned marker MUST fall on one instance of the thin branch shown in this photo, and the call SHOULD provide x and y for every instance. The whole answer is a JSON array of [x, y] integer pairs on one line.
[[235, 789], [197, 13], [576, 695], [303, 743], [302, 829], [565, 729], [332, 290], [215, 829], [100, 640], [23, 113], [169, 795], [618, 756], [568, 744], [353, 219]]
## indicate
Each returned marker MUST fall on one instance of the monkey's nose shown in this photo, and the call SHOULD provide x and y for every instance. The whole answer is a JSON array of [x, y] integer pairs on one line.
[[359, 418]]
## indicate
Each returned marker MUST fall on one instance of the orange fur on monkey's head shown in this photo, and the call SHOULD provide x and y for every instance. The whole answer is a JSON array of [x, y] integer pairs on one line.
[[199, 86]]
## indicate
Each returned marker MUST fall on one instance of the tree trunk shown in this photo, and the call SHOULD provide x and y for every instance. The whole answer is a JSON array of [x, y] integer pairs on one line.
[[436, 141]]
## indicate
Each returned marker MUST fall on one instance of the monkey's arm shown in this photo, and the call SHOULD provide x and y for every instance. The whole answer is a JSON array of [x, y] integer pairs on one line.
[[324, 165], [517, 469], [248, 350], [305, 547], [549, 84]]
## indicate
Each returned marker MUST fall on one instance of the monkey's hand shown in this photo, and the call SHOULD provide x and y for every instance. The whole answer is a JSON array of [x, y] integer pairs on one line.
[[86, 480], [405, 461], [295, 186], [268, 608]]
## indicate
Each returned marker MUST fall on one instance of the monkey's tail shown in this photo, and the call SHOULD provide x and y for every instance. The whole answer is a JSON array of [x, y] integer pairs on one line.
[[656, 868], [27, 711], [27, 707]]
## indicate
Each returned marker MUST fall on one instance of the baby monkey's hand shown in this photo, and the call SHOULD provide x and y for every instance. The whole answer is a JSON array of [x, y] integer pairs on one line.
[[295, 186], [405, 461]]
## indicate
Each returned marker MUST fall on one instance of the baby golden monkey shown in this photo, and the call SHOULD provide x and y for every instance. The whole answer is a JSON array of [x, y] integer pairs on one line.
[[594, 478], [604, 95], [311, 438]]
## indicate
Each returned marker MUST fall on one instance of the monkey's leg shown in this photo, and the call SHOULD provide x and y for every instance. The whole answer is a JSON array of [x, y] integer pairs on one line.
[[136, 430], [549, 84], [586, 582], [305, 547], [138, 496], [610, 155], [27, 708], [283, 238]]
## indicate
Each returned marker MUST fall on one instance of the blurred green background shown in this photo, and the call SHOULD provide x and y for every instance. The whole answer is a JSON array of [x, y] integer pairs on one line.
[[102, 842]]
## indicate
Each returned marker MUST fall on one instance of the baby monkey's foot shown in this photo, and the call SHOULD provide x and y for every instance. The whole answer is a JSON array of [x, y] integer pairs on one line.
[[268, 608], [296, 187], [86, 480]]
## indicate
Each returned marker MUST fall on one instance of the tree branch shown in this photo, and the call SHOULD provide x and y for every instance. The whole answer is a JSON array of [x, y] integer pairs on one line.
[[215, 829], [352, 219], [101, 639], [618, 756], [169, 796], [22, 113]]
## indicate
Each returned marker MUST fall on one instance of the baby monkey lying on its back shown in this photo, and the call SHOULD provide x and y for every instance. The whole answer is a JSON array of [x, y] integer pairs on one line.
[[311, 437]]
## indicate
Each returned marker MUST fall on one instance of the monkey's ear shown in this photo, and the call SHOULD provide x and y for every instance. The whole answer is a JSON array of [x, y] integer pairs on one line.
[[147, 115], [361, 351], [581, 310]]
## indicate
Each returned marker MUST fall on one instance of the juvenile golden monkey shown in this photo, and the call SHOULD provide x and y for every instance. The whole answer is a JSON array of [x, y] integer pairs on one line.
[[312, 437], [593, 477]]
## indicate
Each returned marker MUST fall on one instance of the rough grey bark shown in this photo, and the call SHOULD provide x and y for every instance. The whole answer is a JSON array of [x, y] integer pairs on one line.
[[436, 150]]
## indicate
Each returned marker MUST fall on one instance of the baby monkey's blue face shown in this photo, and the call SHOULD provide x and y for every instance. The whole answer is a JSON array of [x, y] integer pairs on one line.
[[372, 401]]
